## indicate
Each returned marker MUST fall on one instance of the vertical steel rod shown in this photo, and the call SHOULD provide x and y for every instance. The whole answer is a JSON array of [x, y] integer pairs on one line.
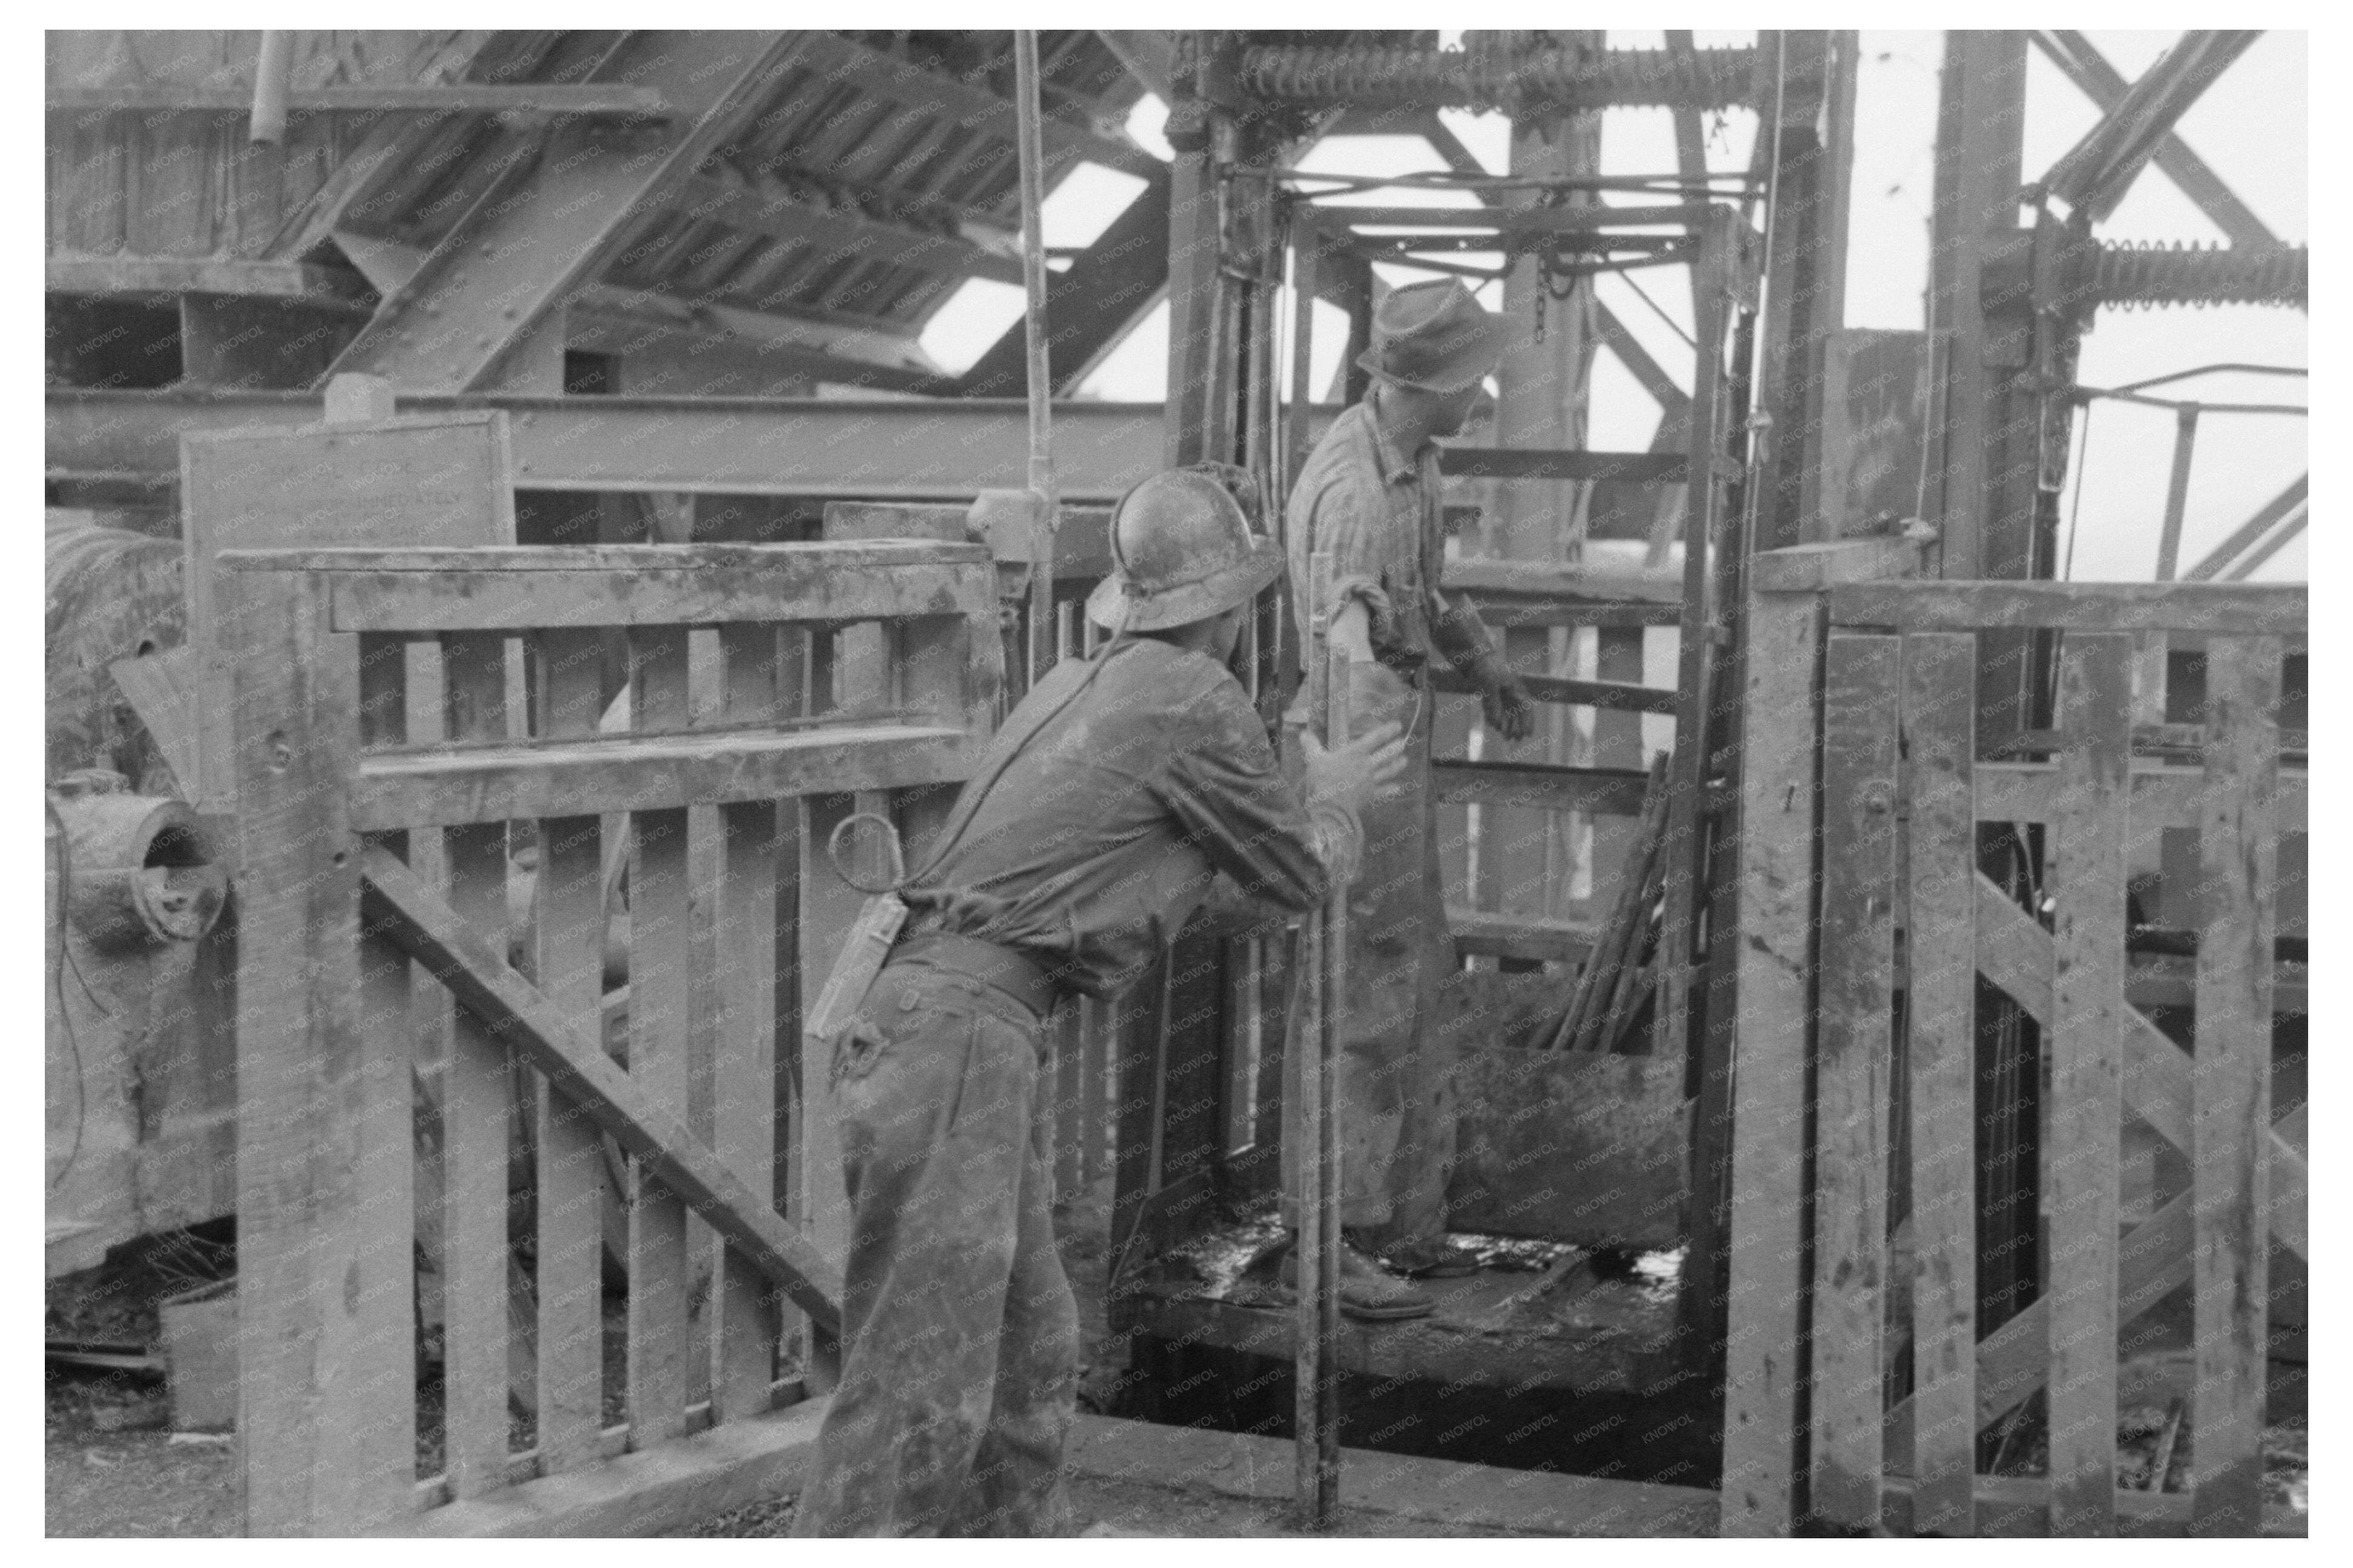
[[2177, 496], [1316, 1424], [1044, 503]]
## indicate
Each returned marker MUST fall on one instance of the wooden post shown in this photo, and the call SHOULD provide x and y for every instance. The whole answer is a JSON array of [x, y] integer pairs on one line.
[[2230, 1081], [1940, 722], [1042, 500], [1859, 720], [325, 1411], [1765, 1345], [2081, 1161]]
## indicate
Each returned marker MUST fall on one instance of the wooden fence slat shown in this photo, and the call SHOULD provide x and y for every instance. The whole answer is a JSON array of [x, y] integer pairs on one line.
[[461, 959], [660, 1016], [568, 965], [497, 783], [326, 1412], [1858, 777], [2230, 1083], [2163, 797], [477, 1117], [823, 584], [1940, 726], [744, 1069], [2015, 953], [386, 1164], [2082, 1174], [1778, 854]]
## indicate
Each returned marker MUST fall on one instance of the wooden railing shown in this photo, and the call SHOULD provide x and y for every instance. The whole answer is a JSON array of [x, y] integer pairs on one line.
[[1864, 705], [406, 722]]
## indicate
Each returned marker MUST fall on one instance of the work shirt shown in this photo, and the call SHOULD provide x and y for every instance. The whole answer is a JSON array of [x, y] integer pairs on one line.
[[1370, 505], [1106, 831]]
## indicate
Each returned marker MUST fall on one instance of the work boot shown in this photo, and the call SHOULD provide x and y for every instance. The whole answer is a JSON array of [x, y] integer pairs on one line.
[[1426, 1258], [1368, 1293]]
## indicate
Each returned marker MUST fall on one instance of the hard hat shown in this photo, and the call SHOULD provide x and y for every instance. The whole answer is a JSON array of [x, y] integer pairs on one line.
[[1181, 551]]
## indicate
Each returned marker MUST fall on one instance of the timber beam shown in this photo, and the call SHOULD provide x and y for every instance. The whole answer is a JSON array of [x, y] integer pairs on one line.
[[1092, 307], [975, 111], [836, 236], [875, 448], [599, 100], [554, 219]]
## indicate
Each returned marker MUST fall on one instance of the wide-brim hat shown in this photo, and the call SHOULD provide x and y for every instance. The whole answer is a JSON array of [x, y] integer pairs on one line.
[[1181, 551], [1434, 337]]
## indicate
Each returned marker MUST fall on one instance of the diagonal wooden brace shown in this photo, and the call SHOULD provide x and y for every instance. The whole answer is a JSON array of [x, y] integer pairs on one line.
[[430, 932]]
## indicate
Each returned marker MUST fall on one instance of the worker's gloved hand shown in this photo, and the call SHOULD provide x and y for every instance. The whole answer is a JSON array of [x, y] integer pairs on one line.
[[1356, 771], [1505, 702]]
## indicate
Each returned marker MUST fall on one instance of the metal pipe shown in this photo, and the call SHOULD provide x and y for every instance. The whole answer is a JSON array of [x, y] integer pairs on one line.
[[2177, 497], [273, 81], [1312, 1133], [1043, 499]]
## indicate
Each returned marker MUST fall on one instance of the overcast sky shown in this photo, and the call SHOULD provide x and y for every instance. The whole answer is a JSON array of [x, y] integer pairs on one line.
[[2251, 127]]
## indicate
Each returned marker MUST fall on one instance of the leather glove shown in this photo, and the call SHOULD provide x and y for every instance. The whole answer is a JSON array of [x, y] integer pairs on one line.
[[1505, 704], [1350, 775]]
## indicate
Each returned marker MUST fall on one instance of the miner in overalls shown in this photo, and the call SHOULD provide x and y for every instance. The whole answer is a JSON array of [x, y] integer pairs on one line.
[[1369, 496], [1117, 792]]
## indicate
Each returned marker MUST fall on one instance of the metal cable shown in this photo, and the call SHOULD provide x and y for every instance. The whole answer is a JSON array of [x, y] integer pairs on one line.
[[2144, 276], [1371, 76]]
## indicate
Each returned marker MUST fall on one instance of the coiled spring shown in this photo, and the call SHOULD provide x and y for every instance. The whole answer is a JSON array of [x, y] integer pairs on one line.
[[1373, 76], [2146, 276]]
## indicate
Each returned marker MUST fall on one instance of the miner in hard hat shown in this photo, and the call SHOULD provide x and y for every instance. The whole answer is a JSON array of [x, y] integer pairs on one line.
[[1369, 496], [1119, 791]]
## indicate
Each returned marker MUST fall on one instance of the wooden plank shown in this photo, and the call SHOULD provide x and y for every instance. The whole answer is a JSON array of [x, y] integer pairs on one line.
[[873, 581], [2082, 1171], [743, 1070], [173, 277], [1802, 568], [1505, 612], [1940, 720], [2230, 1083], [1568, 582], [1767, 1243], [2272, 609], [1859, 753], [1497, 463], [1617, 791], [2020, 1506], [472, 968], [477, 1113], [387, 1160], [2162, 797], [324, 1400], [1520, 936], [660, 1015], [616, 775], [568, 966]]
